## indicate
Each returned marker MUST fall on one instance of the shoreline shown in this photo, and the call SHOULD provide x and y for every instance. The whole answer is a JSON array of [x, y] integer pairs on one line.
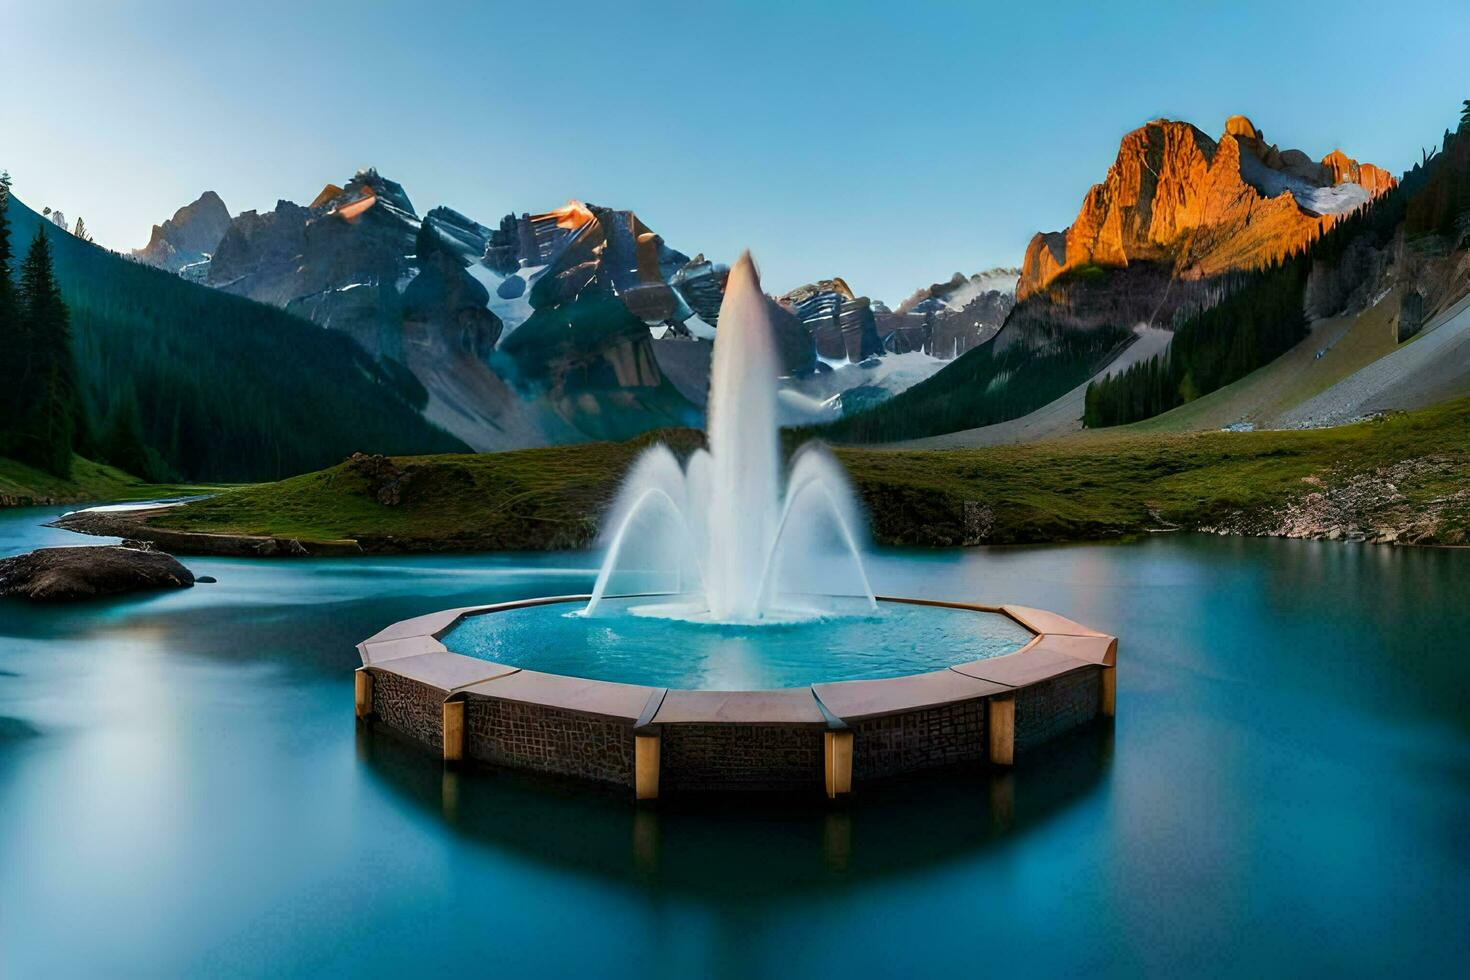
[[1403, 479], [226, 545]]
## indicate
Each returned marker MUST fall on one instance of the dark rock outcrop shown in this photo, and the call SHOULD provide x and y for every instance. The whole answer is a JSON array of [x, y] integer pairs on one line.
[[386, 479], [1411, 314], [67, 574], [442, 293], [702, 285]]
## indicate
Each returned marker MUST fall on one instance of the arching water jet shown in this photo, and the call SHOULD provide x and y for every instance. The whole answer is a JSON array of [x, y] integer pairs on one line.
[[729, 508]]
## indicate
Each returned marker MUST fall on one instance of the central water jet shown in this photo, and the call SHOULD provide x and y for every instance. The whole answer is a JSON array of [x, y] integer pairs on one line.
[[722, 521]]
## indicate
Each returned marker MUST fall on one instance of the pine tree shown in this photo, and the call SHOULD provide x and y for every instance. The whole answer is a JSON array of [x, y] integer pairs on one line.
[[49, 411], [122, 444], [7, 282], [14, 353]]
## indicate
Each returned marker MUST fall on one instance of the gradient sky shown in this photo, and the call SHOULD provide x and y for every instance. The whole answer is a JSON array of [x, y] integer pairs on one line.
[[892, 144]]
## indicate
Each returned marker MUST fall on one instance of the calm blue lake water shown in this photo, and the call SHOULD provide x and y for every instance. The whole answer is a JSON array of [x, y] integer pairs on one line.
[[183, 791]]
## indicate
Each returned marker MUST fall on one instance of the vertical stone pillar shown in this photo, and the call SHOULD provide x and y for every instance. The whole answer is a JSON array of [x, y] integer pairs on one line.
[[453, 731], [1107, 706], [645, 767], [1001, 725], [363, 693], [837, 752]]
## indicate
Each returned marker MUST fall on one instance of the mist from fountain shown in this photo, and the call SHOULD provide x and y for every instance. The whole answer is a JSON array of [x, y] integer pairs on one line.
[[736, 546]]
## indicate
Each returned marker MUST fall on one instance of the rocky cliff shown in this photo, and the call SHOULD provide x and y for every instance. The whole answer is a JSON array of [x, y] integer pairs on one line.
[[189, 237], [842, 325], [1175, 196]]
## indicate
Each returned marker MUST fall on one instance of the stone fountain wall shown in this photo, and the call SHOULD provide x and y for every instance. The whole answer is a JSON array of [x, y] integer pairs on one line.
[[836, 736]]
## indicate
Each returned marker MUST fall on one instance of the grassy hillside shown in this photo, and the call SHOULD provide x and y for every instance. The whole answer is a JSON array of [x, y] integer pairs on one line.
[[1406, 477], [1346, 343], [24, 486], [226, 389]]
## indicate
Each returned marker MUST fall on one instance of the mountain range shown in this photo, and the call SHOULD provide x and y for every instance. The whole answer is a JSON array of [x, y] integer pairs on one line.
[[574, 323], [582, 322]]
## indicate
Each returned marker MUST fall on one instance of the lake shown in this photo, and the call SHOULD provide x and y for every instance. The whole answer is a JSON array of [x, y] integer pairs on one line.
[[183, 790]]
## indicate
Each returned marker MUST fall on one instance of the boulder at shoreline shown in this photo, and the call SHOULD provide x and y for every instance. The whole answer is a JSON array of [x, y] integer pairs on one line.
[[69, 574]]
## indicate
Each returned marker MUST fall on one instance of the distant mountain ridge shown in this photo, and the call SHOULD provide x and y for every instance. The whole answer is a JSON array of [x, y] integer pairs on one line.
[[548, 327]]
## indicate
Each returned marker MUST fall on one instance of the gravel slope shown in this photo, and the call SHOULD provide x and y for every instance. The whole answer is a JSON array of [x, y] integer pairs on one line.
[[1431, 368]]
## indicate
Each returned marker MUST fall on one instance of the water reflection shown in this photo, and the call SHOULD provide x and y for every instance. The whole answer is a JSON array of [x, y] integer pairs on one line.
[[770, 846]]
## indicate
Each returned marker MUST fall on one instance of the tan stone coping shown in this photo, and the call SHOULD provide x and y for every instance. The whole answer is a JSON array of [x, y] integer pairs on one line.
[[1041, 621], [857, 700], [413, 649], [606, 699], [788, 706]]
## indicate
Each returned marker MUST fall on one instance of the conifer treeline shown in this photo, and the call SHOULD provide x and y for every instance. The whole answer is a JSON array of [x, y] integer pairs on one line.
[[171, 379], [39, 402], [1249, 328], [1265, 318]]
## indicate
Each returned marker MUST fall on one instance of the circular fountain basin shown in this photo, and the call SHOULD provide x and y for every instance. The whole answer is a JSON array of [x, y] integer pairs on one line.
[[630, 698], [637, 641]]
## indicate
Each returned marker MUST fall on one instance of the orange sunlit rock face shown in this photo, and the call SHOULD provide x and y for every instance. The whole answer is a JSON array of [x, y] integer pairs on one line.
[[351, 210], [1345, 169], [1175, 195], [571, 216], [328, 193]]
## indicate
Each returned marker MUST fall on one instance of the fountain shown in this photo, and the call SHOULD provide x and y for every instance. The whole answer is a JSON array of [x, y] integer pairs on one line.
[[737, 548], [765, 663]]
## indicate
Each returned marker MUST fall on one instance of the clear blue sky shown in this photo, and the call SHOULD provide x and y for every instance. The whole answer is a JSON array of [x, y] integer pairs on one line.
[[892, 144]]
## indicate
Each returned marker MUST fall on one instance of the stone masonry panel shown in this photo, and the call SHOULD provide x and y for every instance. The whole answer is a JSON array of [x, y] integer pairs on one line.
[[545, 739], [928, 738], [1048, 709], [745, 757], [413, 708]]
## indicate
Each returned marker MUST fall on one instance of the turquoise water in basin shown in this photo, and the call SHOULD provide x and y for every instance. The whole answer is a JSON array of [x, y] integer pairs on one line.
[[184, 793], [625, 641]]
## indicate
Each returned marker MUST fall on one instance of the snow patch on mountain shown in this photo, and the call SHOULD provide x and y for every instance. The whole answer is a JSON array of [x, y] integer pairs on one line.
[[1333, 199], [512, 312]]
